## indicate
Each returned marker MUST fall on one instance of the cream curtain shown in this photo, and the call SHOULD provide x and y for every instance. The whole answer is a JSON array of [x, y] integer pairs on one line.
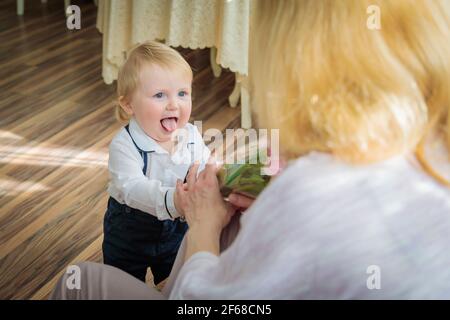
[[222, 24]]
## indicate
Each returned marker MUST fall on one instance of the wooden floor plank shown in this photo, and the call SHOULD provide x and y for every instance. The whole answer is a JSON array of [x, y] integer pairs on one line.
[[56, 122], [91, 253]]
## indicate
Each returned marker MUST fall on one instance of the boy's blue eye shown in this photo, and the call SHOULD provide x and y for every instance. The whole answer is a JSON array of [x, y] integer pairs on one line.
[[182, 93], [158, 95]]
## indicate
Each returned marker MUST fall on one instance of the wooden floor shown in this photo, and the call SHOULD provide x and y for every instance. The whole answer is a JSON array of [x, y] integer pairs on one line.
[[56, 121]]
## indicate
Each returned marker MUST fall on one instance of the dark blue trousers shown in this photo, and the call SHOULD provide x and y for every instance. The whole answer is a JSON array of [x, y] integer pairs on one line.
[[134, 240]]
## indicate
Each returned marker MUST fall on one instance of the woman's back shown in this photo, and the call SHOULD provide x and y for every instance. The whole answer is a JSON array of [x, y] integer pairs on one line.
[[325, 229]]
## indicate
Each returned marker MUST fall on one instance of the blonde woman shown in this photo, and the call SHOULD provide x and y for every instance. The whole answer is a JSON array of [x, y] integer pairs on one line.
[[360, 212]]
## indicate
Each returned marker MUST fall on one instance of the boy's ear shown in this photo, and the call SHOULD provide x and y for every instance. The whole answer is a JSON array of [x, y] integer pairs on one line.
[[125, 105]]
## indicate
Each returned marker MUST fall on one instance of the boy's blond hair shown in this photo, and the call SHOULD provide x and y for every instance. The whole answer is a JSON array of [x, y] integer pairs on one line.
[[332, 84], [150, 52]]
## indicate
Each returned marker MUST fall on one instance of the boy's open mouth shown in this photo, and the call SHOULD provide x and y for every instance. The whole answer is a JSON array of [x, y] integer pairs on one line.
[[169, 124]]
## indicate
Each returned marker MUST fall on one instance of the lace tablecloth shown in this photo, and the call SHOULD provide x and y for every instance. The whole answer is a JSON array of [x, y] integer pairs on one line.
[[223, 24]]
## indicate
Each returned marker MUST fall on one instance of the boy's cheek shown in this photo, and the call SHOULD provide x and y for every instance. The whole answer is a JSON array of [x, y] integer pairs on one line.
[[184, 117]]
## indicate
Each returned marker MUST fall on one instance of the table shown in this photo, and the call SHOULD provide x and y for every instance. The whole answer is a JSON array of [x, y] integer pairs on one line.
[[222, 25]]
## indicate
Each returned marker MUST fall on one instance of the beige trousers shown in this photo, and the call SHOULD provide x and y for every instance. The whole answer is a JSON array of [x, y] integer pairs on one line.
[[102, 282]]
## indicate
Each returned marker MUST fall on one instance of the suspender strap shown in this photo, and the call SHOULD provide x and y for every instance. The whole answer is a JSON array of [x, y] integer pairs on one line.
[[144, 155], [141, 152]]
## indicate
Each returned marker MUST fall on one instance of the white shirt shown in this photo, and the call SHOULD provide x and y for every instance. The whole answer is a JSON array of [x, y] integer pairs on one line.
[[323, 228], [152, 192]]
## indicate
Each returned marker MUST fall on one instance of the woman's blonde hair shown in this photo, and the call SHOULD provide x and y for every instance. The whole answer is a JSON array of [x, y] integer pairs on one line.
[[150, 52], [332, 83]]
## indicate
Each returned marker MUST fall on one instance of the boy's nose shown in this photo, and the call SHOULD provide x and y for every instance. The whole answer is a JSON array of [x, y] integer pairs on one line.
[[172, 105]]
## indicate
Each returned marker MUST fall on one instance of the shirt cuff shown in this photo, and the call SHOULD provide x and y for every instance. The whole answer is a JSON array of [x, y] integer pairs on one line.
[[170, 205]]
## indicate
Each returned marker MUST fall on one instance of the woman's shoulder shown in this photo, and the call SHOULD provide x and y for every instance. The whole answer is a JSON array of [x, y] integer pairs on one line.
[[317, 172], [324, 173], [349, 216], [317, 184]]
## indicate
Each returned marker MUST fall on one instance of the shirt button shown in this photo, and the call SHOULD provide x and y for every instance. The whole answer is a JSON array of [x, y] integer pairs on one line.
[[127, 209]]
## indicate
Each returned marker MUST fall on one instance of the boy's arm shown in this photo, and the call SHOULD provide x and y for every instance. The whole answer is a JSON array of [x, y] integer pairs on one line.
[[138, 191]]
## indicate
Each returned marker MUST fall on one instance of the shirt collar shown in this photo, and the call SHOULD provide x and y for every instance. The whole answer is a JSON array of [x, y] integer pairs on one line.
[[147, 143]]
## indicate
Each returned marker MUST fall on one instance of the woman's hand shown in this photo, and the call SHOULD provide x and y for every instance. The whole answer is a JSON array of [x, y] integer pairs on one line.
[[204, 209], [202, 202], [240, 201]]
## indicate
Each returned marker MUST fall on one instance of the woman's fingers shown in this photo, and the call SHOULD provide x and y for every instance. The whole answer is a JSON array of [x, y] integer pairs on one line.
[[192, 175], [179, 197], [210, 169], [240, 200], [179, 186]]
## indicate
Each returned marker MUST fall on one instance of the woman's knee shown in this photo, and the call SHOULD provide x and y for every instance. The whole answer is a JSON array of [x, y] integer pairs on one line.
[[69, 285]]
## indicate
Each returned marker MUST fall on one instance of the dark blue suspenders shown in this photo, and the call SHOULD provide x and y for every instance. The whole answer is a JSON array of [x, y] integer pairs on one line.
[[141, 152]]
